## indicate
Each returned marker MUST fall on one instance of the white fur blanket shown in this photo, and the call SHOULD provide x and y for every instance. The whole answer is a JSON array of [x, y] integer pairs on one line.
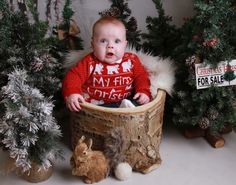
[[161, 71]]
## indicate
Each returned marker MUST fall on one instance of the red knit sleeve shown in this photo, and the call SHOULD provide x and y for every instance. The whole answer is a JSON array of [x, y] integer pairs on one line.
[[75, 77], [141, 78]]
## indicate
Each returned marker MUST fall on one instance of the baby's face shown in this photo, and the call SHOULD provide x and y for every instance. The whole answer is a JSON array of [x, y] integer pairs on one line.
[[109, 42]]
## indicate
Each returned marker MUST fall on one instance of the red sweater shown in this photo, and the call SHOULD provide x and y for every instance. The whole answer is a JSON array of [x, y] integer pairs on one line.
[[100, 82]]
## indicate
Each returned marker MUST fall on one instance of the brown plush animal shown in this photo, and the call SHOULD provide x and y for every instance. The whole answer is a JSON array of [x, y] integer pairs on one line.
[[92, 165]]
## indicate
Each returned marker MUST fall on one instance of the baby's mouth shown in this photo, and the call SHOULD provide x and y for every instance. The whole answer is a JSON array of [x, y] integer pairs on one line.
[[110, 54]]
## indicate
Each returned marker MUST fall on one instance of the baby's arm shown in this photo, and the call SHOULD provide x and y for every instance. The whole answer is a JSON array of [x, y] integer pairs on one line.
[[141, 98], [73, 102], [141, 82], [73, 81]]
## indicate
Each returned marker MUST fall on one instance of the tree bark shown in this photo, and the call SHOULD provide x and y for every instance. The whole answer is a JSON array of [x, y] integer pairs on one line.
[[216, 141], [227, 129], [194, 132]]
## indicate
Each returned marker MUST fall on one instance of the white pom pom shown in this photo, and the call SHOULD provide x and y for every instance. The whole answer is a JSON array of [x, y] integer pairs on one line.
[[123, 171]]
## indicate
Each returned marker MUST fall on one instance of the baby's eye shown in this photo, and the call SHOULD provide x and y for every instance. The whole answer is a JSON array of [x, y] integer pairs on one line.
[[103, 40], [117, 41]]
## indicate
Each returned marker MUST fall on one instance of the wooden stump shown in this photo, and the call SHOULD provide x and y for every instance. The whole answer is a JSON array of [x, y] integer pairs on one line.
[[227, 129], [142, 126], [216, 141], [194, 132]]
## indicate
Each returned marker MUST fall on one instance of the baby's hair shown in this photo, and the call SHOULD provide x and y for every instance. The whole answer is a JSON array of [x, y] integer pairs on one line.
[[106, 20]]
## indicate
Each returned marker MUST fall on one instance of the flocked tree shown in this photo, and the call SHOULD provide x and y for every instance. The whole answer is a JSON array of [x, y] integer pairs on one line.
[[30, 132], [120, 9], [205, 38], [29, 76]]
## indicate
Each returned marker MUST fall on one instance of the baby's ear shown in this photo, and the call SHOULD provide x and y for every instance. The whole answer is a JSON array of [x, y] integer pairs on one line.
[[126, 43]]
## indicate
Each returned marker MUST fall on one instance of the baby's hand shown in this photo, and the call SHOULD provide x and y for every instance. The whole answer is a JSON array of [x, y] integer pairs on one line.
[[141, 98], [73, 102]]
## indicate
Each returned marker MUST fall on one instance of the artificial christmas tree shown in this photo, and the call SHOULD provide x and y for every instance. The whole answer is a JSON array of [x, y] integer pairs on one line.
[[206, 39], [29, 129], [24, 45], [29, 76], [68, 31], [161, 40], [120, 10], [162, 37]]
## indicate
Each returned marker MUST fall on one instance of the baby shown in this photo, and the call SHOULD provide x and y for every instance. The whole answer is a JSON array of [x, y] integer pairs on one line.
[[108, 75]]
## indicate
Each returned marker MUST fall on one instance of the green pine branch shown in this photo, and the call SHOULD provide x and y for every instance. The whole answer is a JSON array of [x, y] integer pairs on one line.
[[162, 37]]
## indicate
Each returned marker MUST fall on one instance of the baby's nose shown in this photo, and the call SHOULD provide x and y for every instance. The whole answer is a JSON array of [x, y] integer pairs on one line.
[[110, 46]]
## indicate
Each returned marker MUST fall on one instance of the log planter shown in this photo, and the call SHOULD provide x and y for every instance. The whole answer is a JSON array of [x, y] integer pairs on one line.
[[34, 175], [37, 174], [142, 126]]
